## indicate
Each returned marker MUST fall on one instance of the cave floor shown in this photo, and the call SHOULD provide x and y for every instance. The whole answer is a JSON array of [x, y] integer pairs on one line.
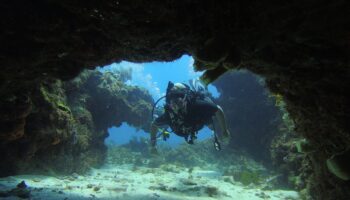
[[128, 182]]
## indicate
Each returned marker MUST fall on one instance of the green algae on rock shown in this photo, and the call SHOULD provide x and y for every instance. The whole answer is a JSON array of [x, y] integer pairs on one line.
[[304, 56], [64, 132]]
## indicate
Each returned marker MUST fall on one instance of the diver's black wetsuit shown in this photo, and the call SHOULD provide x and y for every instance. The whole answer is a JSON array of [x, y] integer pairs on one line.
[[199, 113]]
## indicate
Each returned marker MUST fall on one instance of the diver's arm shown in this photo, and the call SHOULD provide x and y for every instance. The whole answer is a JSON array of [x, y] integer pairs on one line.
[[220, 116]]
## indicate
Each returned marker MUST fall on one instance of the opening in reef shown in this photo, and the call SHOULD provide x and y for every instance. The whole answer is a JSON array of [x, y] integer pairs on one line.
[[154, 77], [121, 95], [303, 57]]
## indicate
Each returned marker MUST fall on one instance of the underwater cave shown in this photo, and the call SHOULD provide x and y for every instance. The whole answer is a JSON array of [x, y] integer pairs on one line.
[[281, 68]]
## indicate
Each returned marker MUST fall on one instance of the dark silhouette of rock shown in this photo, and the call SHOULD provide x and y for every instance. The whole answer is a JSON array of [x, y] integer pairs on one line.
[[300, 48], [69, 121]]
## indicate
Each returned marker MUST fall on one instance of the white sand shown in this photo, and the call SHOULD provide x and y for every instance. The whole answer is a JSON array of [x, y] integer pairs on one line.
[[123, 182]]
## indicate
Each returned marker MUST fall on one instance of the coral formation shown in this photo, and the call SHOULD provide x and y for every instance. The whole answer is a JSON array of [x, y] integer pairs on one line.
[[14, 111], [247, 177], [303, 56], [290, 154], [294, 166], [65, 129]]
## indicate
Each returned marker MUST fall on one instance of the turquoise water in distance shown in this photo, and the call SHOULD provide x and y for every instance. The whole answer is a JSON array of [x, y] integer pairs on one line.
[[124, 133], [154, 77]]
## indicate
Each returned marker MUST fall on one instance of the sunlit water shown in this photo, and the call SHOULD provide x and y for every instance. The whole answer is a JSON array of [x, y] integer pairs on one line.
[[154, 77]]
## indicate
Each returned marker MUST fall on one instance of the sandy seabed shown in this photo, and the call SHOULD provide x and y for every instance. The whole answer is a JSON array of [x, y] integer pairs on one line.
[[126, 182]]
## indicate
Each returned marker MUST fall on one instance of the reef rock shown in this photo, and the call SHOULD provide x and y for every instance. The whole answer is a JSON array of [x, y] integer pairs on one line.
[[301, 48], [65, 129]]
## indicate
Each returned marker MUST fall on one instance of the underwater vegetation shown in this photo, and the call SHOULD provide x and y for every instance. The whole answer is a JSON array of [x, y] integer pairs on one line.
[[65, 128], [300, 47], [290, 153], [294, 166], [247, 177]]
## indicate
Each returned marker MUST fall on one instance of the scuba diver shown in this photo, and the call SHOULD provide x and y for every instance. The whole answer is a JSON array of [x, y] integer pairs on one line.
[[186, 111]]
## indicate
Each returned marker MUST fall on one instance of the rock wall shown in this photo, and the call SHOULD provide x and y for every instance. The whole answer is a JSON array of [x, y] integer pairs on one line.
[[260, 124], [294, 167], [65, 129], [301, 48]]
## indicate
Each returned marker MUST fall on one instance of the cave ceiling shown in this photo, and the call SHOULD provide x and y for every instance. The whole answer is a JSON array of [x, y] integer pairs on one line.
[[301, 48], [59, 38]]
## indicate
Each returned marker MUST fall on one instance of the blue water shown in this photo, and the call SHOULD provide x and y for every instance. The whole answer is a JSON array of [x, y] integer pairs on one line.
[[123, 134], [154, 76]]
